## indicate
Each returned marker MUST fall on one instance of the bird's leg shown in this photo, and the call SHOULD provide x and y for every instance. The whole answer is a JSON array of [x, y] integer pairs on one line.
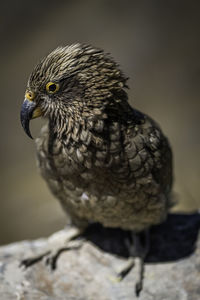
[[69, 241], [138, 249]]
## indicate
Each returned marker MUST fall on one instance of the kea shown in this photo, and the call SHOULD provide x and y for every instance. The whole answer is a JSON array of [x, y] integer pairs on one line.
[[104, 160]]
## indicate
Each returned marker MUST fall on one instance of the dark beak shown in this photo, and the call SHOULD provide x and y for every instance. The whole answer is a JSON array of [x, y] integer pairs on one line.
[[26, 115]]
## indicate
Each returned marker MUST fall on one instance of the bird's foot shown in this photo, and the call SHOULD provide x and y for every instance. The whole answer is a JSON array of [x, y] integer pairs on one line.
[[138, 249], [125, 269], [69, 241]]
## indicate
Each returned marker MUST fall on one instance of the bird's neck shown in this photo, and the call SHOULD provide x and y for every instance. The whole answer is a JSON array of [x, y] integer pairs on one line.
[[88, 131], [92, 128]]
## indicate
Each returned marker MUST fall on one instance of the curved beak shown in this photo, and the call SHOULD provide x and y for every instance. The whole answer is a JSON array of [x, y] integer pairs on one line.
[[29, 111]]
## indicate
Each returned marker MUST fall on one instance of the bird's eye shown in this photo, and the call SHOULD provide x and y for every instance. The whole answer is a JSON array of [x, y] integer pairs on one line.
[[52, 87]]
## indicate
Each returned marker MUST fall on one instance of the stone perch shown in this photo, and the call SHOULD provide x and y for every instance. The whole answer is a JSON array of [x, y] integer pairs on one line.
[[172, 268]]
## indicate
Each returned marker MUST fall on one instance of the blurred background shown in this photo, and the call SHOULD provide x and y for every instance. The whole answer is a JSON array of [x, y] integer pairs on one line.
[[157, 44]]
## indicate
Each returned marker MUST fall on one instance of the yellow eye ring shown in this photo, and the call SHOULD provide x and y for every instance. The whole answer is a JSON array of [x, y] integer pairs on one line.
[[52, 87]]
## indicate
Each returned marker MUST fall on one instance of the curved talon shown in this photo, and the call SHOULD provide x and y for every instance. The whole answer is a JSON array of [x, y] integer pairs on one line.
[[126, 268], [138, 288], [28, 262], [51, 260]]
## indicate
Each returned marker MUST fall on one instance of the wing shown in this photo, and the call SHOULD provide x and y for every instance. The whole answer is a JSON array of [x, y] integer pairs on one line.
[[153, 155]]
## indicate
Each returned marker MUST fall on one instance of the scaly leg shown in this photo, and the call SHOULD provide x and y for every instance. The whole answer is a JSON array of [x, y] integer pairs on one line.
[[138, 249]]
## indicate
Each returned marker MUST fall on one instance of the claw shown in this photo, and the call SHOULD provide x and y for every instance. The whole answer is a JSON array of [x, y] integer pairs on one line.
[[126, 268], [33, 260], [138, 288]]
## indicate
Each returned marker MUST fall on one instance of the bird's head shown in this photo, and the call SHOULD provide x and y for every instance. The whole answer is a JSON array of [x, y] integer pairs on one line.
[[77, 81]]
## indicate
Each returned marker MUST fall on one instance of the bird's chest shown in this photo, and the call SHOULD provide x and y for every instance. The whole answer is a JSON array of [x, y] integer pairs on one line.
[[97, 183], [85, 168], [95, 164]]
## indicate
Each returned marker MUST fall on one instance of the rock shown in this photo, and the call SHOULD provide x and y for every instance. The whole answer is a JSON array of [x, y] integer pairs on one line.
[[172, 269]]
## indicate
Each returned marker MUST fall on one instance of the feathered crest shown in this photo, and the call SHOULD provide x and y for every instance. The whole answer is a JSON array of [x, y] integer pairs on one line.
[[88, 62]]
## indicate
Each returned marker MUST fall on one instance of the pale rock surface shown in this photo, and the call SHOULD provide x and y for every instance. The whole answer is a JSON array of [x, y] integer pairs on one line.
[[172, 269]]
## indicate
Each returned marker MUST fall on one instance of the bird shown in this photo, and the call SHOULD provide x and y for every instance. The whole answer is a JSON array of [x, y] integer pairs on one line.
[[104, 160]]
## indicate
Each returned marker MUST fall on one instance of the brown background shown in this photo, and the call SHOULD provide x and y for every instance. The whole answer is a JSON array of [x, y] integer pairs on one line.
[[157, 45]]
